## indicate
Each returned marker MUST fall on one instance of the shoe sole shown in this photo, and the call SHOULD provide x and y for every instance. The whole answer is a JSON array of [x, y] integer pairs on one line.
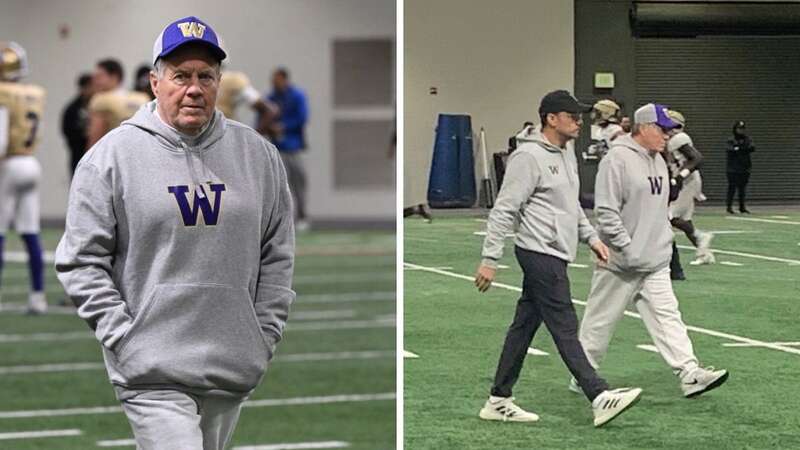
[[715, 384], [627, 407], [493, 419]]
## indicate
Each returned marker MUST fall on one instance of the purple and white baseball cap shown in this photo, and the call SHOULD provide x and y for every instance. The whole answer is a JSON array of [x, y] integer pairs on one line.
[[654, 113], [183, 31]]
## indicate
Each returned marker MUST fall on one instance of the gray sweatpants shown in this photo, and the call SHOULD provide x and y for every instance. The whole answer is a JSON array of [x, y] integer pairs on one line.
[[651, 293], [296, 175], [174, 420]]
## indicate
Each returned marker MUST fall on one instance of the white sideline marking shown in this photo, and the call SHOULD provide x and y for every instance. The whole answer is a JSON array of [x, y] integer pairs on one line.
[[579, 266], [117, 443], [537, 352], [718, 334], [348, 297], [753, 219], [780, 217], [39, 434], [321, 400], [734, 232], [336, 278], [731, 263], [22, 257], [305, 326], [296, 446], [292, 357], [648, 347], [483, 233], [737, 344], [408, 354], [499, 266], [329, 314], [481, 220], [746, 255]]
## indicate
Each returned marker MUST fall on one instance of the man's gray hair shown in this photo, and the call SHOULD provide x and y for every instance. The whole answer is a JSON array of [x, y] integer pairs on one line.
[[160, 66], [637, 128]]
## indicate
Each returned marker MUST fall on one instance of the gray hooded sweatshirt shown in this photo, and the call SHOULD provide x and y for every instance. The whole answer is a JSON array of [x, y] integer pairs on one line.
[[539, 201], [631, 194], [179, 254]]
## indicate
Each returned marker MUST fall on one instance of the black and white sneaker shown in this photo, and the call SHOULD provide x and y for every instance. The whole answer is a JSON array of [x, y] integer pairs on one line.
[[504, 409], [702, 380], [610, 404]]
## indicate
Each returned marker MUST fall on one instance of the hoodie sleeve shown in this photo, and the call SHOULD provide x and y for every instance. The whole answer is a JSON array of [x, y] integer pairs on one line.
[[274, 292], [521, 178], [586, 232], [85, 253], [608, 195]]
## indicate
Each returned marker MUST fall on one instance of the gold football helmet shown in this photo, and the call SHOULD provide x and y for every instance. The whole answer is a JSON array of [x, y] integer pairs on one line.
[[13, 61]]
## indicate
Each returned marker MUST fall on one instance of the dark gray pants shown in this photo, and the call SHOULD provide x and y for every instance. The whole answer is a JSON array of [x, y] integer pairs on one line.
[[296, 175], [545, 297]]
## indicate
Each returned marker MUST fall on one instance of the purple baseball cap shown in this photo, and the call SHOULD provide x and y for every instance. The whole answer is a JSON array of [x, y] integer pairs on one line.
[[655, 113], [183, 31]]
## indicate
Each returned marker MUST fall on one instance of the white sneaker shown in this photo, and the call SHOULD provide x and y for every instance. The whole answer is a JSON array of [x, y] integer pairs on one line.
[[704, 241], [574, 386], [610, 404], [701, 380], [505, 410], [37, 303], [703, 259]]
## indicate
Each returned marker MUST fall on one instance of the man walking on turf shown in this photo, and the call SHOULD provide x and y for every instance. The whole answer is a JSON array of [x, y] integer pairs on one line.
[[631, 194], [540, 190], [188, 292]]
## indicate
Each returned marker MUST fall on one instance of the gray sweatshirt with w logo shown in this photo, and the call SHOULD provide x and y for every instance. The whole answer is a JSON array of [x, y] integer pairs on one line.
[[630, 195], [179, 254], [538, 202]]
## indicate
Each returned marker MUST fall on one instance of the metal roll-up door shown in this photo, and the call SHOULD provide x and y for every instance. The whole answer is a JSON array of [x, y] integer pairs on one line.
[[715, 81]]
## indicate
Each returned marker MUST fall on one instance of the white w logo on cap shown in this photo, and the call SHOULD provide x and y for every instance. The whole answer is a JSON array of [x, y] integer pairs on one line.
[[190, 29]]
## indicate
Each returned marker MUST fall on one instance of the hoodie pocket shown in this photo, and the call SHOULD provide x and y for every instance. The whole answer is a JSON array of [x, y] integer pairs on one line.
[[200, 335]]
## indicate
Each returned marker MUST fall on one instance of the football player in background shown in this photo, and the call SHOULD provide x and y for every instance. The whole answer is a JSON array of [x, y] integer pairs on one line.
[[111, 104], [235, 90], [21, 110]]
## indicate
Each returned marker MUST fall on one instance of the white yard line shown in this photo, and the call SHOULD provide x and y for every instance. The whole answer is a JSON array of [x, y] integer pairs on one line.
[[439, 267], [719, 334], [324, 314], [780, 217], [291, 357], [39, 434], [737, 344], [733, 232], [730, 263], [753, 219], [536, 352], [483, 233], [321, 400], [117, 443], [578, 266], [347, 297], [747, 255], [22, 257], [408, 354]]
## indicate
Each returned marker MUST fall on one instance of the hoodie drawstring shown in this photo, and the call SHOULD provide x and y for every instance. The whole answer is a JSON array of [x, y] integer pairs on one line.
[[198, 188]]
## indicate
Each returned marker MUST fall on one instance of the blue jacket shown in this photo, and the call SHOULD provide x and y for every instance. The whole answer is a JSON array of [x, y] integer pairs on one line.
[[294, 114]]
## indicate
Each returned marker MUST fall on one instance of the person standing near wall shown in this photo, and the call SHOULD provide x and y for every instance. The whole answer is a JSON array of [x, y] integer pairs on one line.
[[111, 104], [739, 148], [75, 119], [291, 140]]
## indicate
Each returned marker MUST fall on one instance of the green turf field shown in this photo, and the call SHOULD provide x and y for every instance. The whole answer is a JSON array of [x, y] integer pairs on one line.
[[331, 385], [458, 333]]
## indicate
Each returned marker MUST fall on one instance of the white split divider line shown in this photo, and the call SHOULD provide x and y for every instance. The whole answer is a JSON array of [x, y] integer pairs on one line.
[[383, 322], [292, 357], [648, 348], [408, 354], [731, 263], [753, 219], [321, 400], [719, 334], [746, 255], [351, 297], [736, 344], [536, 352], [39, 434]]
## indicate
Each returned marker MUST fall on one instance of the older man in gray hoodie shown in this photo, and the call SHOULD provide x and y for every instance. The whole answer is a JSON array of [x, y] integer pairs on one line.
[[540, 191], [631, 194], [179, 251]]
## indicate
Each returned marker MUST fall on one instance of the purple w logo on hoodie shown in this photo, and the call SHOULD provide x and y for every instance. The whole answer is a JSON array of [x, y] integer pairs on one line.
[[655, 185], [200, 204]]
